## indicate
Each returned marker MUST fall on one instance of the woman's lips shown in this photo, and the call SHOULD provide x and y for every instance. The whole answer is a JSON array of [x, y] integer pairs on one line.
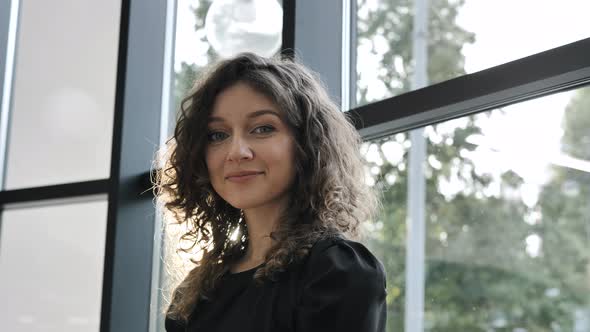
[[243, 178]]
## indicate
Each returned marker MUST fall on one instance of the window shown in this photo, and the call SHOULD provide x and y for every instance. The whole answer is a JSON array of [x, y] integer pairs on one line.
[[506, 219], [461, 36]]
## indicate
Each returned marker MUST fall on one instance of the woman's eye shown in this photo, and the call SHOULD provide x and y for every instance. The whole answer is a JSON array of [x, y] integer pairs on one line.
[[263, 129], [216, 136]]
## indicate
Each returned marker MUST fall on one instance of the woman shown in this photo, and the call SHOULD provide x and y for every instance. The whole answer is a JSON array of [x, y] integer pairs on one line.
[[267, 172]]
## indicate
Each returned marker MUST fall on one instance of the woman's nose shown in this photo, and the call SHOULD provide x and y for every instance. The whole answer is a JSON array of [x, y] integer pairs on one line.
[[239, 150]]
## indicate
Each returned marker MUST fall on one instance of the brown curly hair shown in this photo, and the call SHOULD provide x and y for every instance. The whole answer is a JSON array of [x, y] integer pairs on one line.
[[329, 196]]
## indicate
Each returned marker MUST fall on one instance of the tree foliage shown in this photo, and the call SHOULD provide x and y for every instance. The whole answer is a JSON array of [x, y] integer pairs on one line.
[[479, 274]]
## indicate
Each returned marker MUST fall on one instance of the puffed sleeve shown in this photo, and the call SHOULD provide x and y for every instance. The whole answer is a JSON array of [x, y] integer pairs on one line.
[[343, 290]]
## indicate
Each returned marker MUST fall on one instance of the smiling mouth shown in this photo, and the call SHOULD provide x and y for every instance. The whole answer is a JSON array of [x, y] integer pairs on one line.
[[242, 178]]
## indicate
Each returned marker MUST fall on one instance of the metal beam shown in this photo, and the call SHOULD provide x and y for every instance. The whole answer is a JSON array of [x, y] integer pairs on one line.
[[288, 46], [416, 232], [558, 69]]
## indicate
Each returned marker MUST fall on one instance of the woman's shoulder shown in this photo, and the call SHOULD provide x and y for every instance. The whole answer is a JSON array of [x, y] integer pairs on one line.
[[343, 289], [344, 259]]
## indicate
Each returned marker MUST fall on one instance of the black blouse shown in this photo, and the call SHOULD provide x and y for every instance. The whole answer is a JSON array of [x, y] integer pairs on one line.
[[339, 287]]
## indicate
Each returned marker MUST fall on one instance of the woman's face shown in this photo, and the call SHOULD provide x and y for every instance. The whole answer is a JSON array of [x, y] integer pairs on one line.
[[250, 150]]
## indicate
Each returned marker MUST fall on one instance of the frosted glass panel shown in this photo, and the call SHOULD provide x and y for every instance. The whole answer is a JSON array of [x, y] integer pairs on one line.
[[64, 88], [51, 267]]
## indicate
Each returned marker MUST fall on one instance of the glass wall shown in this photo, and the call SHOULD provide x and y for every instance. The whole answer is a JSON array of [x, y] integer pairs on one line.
[[507, 218], [507, 230]]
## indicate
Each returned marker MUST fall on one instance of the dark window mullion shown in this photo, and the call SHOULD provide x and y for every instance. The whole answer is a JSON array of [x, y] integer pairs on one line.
[[288, 44], [68, 190], [544, 73], [131, 217]]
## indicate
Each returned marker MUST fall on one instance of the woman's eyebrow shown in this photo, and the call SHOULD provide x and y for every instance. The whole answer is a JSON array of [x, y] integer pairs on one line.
[[249, 116]]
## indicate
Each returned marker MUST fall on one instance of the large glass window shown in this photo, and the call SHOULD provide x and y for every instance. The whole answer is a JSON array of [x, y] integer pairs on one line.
[[462, 37], [51, 266], [63, 93], [507, 219]]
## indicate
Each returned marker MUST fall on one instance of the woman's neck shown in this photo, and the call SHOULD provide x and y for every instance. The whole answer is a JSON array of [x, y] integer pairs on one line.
[[261, 222]]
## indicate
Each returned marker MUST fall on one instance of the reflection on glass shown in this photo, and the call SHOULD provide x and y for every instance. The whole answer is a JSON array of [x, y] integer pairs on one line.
[[507, 218], [51, 267], [234, 26], [465, 36]]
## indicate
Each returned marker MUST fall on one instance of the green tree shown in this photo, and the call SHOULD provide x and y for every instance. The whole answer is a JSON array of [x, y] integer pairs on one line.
[[479, 276], [393, 21], [564, 206]]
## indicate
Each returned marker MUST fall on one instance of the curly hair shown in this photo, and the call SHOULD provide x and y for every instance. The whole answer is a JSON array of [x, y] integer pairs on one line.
[[329, 196]]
